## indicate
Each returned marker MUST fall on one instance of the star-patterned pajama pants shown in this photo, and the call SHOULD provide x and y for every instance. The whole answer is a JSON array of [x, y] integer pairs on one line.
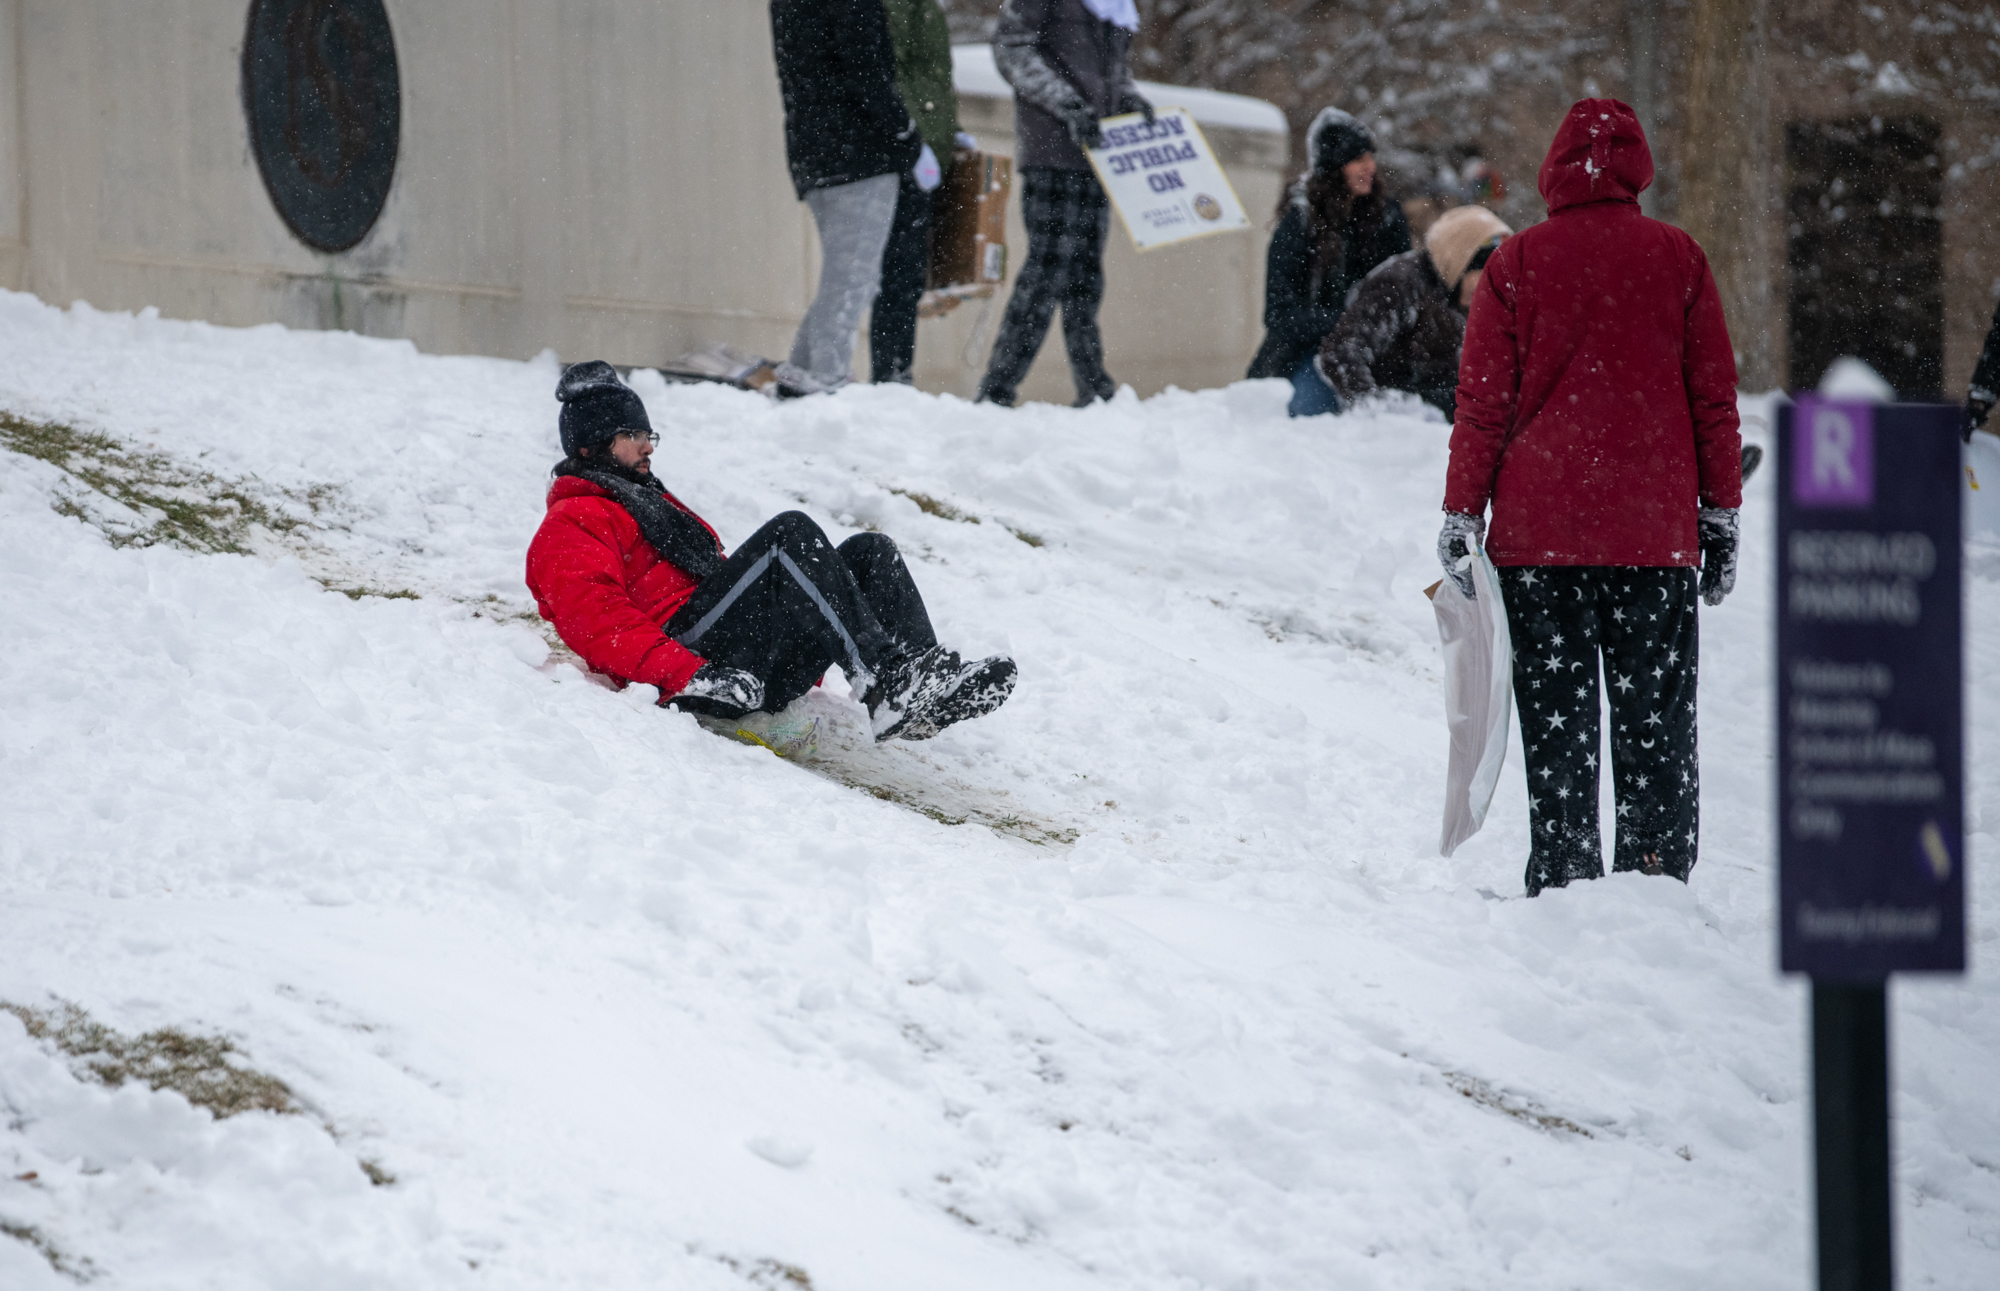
[[1640, 620]]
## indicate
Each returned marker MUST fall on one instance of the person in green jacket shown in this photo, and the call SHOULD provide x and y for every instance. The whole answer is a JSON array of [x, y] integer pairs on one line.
[[922, 40]]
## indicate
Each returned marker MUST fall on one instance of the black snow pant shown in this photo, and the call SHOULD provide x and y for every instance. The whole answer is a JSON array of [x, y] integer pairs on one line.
[[1640, 621], [906, 262], [787, 603], [1068, 217]]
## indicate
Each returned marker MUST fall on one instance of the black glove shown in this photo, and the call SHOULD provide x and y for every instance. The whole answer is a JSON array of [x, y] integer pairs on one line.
[[1455, 543], [1083, 126], [721, 690], [1976, 409], [1718, 534], [1135, 102]]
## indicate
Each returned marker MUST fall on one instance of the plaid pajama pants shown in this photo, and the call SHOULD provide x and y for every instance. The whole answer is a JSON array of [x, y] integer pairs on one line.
[[1068, 216]]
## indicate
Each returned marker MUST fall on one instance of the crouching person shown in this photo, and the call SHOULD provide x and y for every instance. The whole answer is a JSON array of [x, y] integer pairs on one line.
[[639, 586], [1406, 322]]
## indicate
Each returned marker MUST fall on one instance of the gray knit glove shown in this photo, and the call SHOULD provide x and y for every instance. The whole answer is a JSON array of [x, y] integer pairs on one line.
[[723, 687], [1719, 534], [1133, 101], [1081, 122], [1456, 541]]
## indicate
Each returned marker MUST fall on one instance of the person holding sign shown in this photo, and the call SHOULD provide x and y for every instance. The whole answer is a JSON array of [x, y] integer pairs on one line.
[[1069, 64], [1404, 327], [1597, 414], [1335, 224]]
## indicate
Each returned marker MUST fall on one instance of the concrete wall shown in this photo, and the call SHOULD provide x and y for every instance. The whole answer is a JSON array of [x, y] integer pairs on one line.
[[13, 193], [601, 177]]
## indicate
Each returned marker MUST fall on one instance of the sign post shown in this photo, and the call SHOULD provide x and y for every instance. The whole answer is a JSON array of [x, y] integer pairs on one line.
[[1871, 851]]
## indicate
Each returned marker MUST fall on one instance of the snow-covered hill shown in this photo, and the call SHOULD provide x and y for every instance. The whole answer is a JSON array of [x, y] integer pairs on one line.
[[1152, 980]]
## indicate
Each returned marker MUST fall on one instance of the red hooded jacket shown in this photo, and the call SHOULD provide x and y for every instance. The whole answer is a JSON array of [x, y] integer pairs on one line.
[[606, 590], [1597, 391]]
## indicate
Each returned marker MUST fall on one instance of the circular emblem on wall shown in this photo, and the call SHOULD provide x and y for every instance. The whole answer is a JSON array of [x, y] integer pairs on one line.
[[324, 103], [1207, 207]]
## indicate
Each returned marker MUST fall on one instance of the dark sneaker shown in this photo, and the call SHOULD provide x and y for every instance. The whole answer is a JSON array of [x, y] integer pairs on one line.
[[937, 689], [1100, 387], [796, 383]]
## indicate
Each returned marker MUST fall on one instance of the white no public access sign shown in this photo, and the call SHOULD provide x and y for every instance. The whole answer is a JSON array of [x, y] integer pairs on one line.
[[1164, 179]]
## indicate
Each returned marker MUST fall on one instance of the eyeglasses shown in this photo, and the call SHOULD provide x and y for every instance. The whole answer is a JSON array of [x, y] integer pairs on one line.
[[650, 436]]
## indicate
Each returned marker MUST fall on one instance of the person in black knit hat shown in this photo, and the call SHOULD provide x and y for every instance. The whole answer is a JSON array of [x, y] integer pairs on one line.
[[1334, 225], [639, 586]]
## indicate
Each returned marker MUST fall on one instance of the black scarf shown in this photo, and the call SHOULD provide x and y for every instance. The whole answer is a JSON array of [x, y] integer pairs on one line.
[[680, 539]]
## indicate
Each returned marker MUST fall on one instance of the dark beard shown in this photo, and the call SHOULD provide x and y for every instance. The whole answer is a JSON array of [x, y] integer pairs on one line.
[[674, 534], [607, 465]]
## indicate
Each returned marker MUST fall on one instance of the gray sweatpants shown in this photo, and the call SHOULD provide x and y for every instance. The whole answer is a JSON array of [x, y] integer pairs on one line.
[[853, 222]]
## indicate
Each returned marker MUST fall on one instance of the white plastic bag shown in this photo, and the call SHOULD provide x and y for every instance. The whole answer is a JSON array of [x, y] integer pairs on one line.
[[1478, 696]]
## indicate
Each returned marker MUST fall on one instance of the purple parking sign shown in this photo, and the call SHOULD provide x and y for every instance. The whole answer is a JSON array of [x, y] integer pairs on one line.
[[1871, 842]]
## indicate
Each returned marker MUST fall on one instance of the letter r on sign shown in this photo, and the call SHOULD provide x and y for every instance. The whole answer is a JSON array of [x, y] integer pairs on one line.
[[1832, 450], [1833, 454]]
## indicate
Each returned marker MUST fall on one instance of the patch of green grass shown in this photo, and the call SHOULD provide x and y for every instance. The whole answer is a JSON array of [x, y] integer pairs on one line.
[[772, 1275], [207, 1070], [1520, 1109], [931, 506], [75, 1268], [201, 1068], [356, 593], [1033, 540], [178, 505], [1027, 829]]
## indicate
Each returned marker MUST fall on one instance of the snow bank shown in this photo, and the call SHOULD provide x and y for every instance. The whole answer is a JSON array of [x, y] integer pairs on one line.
[[619, 1003]]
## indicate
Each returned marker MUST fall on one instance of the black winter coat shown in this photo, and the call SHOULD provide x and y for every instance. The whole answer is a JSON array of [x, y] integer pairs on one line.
[[1300, 308], [1985, 383], [1058, 55], [844, 120], [1403, 330]]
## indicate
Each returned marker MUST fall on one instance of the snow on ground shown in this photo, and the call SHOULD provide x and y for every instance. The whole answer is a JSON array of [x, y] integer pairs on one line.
[[617, 1002]]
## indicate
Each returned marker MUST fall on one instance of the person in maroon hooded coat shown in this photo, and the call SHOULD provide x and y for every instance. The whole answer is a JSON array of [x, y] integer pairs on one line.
[[639, 586], [1597, 416]]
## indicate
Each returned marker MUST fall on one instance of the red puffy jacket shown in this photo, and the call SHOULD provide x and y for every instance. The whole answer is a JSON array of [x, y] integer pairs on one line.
[[606, 590], [1597, 391]]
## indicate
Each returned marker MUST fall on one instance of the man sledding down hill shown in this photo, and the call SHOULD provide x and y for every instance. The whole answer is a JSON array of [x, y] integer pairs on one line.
[[637, 584]]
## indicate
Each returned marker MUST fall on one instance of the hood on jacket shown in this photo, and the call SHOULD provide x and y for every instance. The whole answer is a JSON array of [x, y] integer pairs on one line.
[[1599, 155]]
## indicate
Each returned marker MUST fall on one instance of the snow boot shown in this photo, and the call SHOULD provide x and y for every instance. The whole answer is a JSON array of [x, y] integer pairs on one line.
[[795, 382], [919, 695], [1099, 388]]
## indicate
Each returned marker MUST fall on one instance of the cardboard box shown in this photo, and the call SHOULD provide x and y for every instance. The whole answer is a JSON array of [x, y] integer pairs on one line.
[[969, 225]]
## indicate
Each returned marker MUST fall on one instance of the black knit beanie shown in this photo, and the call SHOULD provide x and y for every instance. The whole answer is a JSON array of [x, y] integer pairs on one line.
[[1336, 138], [596, 405]]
